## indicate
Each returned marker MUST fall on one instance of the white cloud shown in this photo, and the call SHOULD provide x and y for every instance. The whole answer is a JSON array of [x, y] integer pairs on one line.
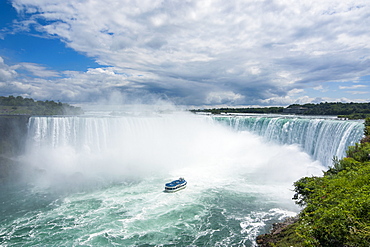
[[239, 51], [353, 87], [36, 70], [295, 91], [7, 73], [73, 86], [222, 97], [358, 92]]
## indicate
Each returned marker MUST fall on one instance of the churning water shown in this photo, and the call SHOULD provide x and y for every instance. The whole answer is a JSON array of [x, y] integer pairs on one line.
[[98, 181]]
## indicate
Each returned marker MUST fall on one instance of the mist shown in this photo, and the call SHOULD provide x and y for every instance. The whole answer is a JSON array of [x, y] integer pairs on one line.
[[99, 178], [89, 150]]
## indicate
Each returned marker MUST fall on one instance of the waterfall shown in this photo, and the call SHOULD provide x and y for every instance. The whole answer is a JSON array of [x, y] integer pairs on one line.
[[93, 180], [99, 134], [120, 144], [319, 137]]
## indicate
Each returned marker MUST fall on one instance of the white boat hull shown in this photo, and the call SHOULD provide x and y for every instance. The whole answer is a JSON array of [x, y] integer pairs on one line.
[[171, 190], [175, 185]]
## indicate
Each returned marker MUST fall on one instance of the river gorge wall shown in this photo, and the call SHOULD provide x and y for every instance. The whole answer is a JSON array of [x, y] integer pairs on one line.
[[13, 136]]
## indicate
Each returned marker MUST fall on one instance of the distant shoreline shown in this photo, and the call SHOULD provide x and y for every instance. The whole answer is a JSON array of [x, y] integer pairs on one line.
[[26, 106], [341, 110]]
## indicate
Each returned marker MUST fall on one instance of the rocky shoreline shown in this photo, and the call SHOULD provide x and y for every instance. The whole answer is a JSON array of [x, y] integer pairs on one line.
[[279, 231]]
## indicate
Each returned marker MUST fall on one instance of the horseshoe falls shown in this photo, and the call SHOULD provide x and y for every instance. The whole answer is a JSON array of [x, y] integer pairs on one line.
[[99, 180], [322, 138]]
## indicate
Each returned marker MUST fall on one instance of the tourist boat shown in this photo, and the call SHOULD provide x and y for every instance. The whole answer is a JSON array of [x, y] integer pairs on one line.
[[175, 185]]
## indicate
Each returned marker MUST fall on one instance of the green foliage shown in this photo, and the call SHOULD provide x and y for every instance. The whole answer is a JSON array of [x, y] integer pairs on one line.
[[303, 189], [367, 126], [25, 106], [359, 152], [337, 205]]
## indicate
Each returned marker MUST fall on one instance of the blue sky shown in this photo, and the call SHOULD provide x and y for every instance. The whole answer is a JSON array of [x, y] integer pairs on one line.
[[34, 47], [196, 53]]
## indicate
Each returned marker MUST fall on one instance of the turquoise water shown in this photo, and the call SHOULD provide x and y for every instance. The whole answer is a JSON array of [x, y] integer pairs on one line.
[[99, 181], [139, 214]]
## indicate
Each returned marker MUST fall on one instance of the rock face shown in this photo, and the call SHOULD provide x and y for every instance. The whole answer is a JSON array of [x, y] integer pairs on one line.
[[13, 134], [278, 231]]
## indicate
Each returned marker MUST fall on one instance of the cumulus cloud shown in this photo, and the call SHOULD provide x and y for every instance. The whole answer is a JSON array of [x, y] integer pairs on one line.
[[71, 85], [207, 52], [222, 97], [7, 73], [319, 88], [36, 70]]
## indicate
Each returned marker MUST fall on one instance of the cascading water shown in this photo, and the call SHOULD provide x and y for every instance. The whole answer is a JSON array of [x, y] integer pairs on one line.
[[321, 138], [99, 180]]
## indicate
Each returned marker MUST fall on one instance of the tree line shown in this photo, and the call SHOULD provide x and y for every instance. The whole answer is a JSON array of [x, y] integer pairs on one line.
[[344, 110], [241, 110], [337, 108], [26, 106]]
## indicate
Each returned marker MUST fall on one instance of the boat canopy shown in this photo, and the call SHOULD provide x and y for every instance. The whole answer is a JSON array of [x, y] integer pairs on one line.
[[176, 182]]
